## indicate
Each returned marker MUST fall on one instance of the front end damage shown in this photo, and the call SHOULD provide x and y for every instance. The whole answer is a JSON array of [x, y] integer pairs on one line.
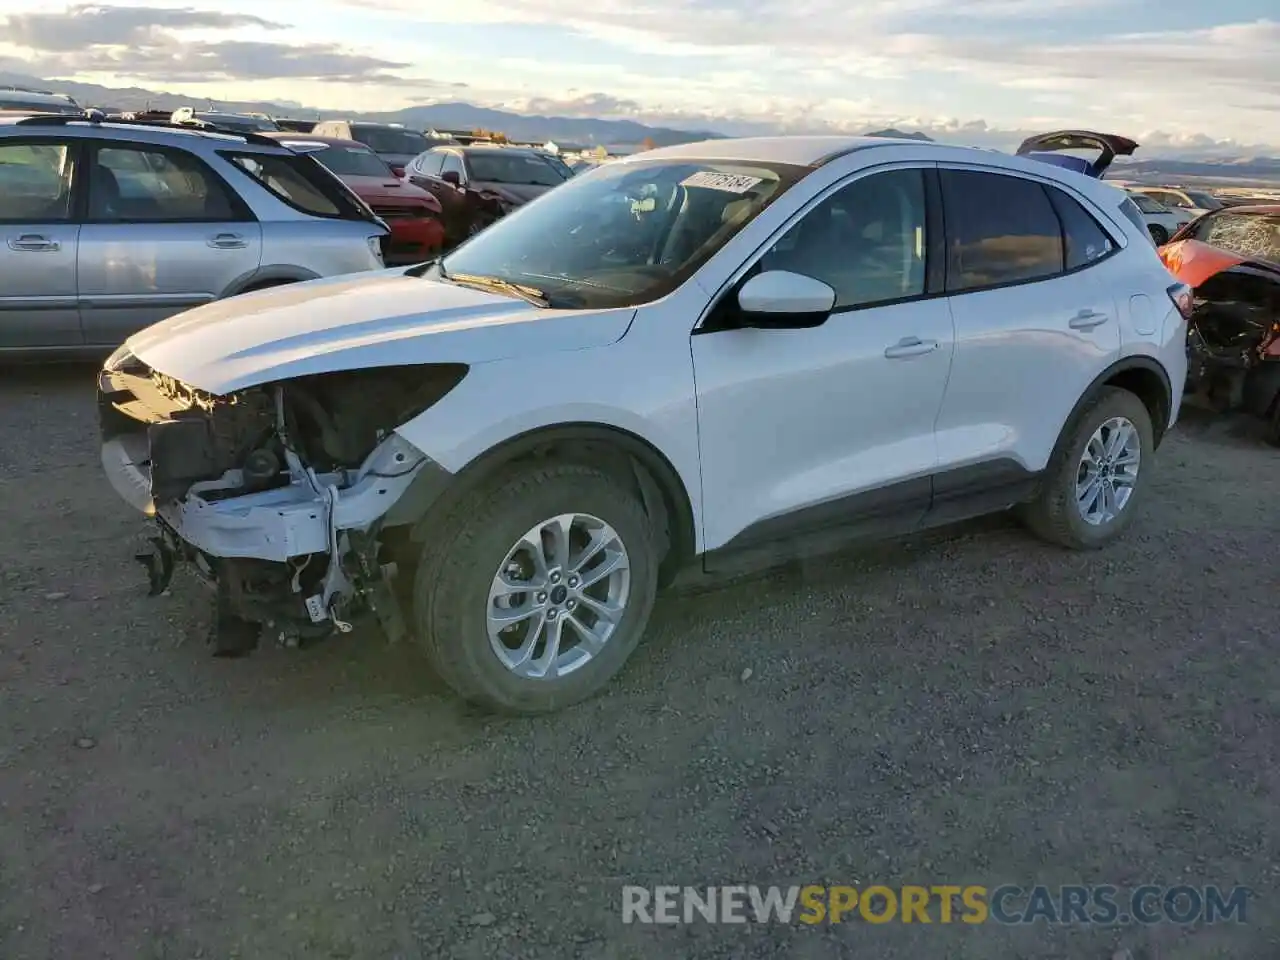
[[275, 495], [1233, 344]]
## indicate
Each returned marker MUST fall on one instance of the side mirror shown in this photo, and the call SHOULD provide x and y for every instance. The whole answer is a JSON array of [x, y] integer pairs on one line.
[[451, 176], [780, 299]]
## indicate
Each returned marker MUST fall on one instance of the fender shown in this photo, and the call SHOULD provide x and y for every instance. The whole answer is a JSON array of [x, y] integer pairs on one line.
[[269, 274], [1136, 374]]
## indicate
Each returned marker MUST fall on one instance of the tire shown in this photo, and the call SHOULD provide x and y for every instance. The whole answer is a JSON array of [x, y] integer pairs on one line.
[[1054, 515], [1272, 434], [471, 544], [1158, 234]]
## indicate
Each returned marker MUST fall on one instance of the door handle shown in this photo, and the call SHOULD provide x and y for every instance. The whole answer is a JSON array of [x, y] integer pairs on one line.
[[228, 241], [1088, 319], [34, 243], [910, 347]]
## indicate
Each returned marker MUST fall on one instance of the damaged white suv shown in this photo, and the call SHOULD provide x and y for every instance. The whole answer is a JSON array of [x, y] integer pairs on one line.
[[699, 358]]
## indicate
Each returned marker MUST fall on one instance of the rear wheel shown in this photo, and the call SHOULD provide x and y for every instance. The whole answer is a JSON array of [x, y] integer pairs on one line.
[[1098, 474], [1158, 234], [536, 588]]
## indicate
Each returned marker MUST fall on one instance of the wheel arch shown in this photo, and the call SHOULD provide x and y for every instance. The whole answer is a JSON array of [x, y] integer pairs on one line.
[[1144, 377], [658, 484], [265, 277]]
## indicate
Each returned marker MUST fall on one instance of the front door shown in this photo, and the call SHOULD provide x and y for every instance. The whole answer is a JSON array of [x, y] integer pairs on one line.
[[38, 243], [804, 431], [163, 234]]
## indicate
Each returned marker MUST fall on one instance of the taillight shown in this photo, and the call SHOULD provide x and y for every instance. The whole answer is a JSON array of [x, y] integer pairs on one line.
[[1184, 298]]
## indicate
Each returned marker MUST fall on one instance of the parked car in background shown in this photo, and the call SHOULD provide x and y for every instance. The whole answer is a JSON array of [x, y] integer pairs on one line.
[[296, 126], [395, 144], [1195, 202], [479, 184], [413, 214], [1162, 222], [24, 100], [110, 227], [237, 122], [1231, 258], [714, 356]]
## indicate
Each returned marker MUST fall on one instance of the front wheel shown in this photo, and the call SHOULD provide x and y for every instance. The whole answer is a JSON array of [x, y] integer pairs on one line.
[[536, 588], [1098, 474]]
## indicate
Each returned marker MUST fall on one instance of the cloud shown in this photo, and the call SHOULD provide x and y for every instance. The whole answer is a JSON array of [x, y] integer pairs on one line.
[[147, 43], [86, 26]]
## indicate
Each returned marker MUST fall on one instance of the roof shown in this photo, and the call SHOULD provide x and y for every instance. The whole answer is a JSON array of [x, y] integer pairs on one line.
[[804, 151], [145, 131], [1266, 208]]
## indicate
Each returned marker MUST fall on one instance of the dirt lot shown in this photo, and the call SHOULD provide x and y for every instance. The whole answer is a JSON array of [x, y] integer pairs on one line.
[[977, 708]]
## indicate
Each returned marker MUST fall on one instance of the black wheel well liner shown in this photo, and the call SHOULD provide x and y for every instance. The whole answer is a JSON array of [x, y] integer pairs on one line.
[[657, 482], [1144, 377]]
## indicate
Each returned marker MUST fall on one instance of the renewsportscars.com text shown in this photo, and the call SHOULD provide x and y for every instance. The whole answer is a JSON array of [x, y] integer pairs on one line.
[[940, 903]]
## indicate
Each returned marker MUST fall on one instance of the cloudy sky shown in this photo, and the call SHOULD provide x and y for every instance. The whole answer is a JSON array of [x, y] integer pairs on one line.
[[1177, 72]]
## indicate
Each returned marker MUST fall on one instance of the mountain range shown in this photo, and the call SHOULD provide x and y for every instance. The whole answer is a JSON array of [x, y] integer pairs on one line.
[[590, 131]]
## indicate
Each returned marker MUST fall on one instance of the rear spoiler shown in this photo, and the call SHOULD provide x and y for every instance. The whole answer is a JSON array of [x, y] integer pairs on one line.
[[1109, 146]]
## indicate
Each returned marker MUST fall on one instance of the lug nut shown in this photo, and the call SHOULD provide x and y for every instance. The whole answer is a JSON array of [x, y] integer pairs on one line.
[[571, 604], [542, 598], [573, 581], [552, 614], [555, 577]]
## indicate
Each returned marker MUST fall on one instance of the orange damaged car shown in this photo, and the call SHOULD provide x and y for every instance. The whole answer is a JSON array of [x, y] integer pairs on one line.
[[1231, 259]]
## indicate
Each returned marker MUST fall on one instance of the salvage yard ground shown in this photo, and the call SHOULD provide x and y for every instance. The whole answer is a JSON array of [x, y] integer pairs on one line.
[[972, 708]]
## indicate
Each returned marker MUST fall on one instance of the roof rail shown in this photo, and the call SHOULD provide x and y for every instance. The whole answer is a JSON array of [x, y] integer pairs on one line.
[[96, 116]]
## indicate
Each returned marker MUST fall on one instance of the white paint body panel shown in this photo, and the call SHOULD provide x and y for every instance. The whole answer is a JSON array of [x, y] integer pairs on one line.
[[756, 423]]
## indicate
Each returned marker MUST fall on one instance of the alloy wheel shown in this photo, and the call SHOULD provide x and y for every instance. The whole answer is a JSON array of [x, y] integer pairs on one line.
[[1108, 471], [558, 597]]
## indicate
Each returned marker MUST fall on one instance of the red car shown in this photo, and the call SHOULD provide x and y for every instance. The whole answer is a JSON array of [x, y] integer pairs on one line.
[[1231, 258], [413, 214]]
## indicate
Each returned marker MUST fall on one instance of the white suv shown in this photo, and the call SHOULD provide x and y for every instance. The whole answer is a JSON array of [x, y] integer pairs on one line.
[[705, 356]]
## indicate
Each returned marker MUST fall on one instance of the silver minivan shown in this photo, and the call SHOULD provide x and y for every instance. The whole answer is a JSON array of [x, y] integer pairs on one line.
[[108, 227]]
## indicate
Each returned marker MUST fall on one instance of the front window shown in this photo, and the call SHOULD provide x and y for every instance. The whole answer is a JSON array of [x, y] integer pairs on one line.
[[345, 161], [1147, 205], [514, 168], [1254, 235], [628, 234], [391, 140]]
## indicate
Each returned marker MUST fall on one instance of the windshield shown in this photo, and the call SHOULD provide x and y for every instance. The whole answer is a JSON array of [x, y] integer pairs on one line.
[[1205, 201], [1254, 235], [347, 161], [514, 168], [43, 106], [391, 140], [625, 234]]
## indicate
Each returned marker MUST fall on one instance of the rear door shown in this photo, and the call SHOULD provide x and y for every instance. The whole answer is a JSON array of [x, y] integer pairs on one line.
[[38, 244], [163, 233], [1036, 320]]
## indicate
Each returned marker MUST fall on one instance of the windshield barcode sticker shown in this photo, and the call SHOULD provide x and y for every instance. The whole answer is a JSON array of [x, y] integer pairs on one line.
[[729, 182]]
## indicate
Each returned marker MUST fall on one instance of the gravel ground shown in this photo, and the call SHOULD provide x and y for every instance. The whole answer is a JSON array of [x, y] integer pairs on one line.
[[971, 708]]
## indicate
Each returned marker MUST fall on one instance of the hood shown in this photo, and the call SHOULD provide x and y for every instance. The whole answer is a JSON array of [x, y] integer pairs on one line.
[[379, 319], [1193, 261], [387, 188], [1045, 146], [516, 193]]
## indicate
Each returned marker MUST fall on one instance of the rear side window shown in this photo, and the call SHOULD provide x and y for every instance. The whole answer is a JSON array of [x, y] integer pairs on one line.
[[1130, 209], [1086, 241], [131, 184], [303, 183], [1000, 230]]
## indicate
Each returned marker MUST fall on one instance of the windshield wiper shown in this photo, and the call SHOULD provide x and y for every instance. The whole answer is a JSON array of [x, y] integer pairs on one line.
[[497, 284]]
